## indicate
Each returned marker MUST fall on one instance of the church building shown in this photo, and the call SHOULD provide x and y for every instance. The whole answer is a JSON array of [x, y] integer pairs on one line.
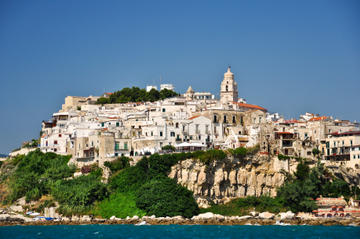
[[228, 88]]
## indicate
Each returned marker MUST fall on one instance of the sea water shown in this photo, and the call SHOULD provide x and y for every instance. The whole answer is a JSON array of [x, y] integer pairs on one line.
[[178, 231]]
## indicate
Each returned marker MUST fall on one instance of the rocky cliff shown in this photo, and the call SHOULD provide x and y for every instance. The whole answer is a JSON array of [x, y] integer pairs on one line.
[[221, 181]]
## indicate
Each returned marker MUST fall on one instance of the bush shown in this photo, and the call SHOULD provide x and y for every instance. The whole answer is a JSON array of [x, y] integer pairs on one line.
[[118, 164], [168, 148], [120, 205], [162, 197], [210, 156], [128, 180], [78, 195], [242, 206], [283, 157], [135, 94], [35, 174]]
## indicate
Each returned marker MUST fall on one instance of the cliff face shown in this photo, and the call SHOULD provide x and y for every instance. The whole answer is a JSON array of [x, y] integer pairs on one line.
[[231, 178]]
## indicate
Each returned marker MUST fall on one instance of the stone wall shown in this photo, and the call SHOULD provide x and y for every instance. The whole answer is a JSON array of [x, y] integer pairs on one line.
[[231, 178]]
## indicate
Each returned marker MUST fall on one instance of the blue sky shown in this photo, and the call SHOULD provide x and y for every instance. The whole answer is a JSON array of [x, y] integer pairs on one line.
[[288, 56]]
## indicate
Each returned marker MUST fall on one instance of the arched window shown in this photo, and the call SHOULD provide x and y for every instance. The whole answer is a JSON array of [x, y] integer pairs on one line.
[[227, 88], [215, 119]]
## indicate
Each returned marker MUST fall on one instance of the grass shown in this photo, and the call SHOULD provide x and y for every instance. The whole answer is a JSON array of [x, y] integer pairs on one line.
[[120, 205]]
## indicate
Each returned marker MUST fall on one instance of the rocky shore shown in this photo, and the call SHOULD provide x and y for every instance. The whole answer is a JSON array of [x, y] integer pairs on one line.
[[264, 218]]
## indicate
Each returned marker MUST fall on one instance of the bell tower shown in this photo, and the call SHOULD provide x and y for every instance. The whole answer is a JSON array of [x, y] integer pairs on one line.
[[228, 88]]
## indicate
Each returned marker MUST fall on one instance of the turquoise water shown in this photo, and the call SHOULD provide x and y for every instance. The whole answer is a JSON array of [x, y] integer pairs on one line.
[[177, 231]]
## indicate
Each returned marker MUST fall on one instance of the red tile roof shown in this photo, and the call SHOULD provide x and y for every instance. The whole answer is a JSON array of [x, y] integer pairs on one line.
[[318, 118], [193, 117], [244, 105]]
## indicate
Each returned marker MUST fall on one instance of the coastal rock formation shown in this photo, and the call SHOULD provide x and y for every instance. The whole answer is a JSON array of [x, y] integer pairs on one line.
[[221, 181]]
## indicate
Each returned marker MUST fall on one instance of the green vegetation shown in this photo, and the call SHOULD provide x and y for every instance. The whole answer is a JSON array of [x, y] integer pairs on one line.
[[208, 157], [119, 204], [78, 195], [297, 194], [32, 144], [168, 148], [135, 94], [38, 174], [300, 189], [35, 174], [242, 206], [154, 192], [162, 197], [118, 164], [145, 189]]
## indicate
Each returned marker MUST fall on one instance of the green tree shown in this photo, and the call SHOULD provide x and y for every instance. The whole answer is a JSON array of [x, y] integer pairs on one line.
[[162, 196]]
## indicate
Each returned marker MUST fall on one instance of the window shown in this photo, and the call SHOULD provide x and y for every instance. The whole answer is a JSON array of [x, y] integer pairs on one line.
[[117, 124], [152, 134], [125, 145], [116, 146], [234, 120], [215, 119], [102, 124], [163, 110], [177, 125], [225, 120], [227, 88], [161, 133], [59, 135], [172, 134], [55, 142]]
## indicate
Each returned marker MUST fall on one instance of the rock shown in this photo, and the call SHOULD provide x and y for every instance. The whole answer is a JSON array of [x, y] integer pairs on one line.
[[266, 215], [86, 218], [152, 216], [254, 214], [207, 215], [16, 208], [75, 219], [135, 217], [286, 215], [127, 218], [21, 201], [306, 216], [65, 219], [178, 218], [244, 217], [112, 218]]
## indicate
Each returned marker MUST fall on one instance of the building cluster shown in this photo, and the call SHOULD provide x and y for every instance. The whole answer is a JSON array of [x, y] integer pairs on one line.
[[94, 133]]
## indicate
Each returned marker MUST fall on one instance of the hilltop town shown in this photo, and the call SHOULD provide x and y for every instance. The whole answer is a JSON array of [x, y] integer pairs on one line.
[[95, 133], [167, 154]]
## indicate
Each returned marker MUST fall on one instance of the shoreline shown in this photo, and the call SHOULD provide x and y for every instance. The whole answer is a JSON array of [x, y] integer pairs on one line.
[[226, 221]]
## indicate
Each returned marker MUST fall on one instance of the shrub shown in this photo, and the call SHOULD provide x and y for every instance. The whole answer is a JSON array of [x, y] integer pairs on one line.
[[208, 157], [35, 173], [283, 157], [120, 205], [162, 196], [168, 148], [77, 195], [242, 206], [118, 164]]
